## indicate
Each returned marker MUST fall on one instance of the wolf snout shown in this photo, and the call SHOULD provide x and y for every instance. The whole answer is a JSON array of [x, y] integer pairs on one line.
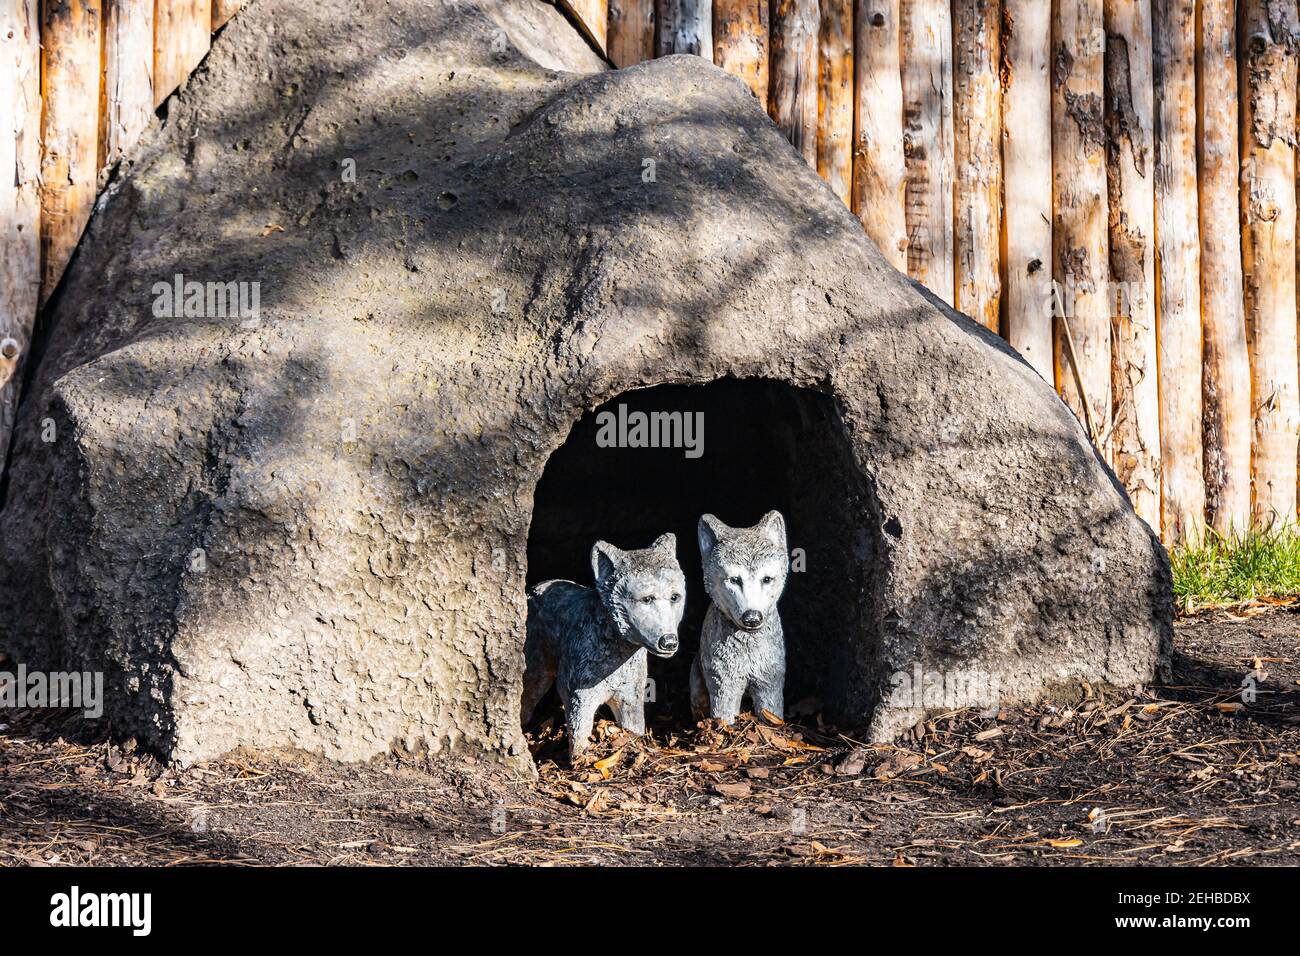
[[667, 644], [752, 619]]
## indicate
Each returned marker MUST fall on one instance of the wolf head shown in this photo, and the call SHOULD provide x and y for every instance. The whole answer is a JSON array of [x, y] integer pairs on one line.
[[745, 568], [644, 591]]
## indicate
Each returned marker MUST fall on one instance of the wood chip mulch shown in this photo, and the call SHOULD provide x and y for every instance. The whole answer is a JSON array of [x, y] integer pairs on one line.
[[1184, 774]]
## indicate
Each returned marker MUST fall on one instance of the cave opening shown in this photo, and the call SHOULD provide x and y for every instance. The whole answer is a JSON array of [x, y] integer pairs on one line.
[[746, 446]]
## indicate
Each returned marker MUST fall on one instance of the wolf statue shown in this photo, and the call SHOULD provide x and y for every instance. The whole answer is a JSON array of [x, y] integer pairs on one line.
[[742, 645], [592, 644]]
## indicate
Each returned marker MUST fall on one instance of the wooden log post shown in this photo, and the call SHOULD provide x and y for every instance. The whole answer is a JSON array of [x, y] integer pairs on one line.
[[835, 97], [128, 76], [928, 143], [630, 36], [1079, 231], [20, 205], [1268, 209], [740, 42], [1178, 261], [11, 352], [878, 164], [182, 35], [1226, 372], [222, 11], [792, 98], [70, 76], [977, 127], [1130, 168], [684, 26], [1027, 181], [591, 17]]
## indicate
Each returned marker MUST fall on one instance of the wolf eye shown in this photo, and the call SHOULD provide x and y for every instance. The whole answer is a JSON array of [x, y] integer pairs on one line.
[[735, 581], [648, 599], [767, 579], [675, 598]]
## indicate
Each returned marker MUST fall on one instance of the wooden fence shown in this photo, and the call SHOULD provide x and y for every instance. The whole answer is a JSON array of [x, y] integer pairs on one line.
[[1110, 184], [79, 82]]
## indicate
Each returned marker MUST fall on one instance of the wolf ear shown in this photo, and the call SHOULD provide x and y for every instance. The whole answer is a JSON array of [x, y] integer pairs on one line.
[[710, 530], [605, 562], [773, 527], [666, 542]]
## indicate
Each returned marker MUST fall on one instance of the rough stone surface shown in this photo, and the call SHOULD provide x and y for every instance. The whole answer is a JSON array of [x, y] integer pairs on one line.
[[311, 532]]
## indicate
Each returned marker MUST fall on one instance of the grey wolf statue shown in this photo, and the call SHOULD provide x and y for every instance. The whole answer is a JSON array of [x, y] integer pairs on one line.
[[592, 643], [742, 645]]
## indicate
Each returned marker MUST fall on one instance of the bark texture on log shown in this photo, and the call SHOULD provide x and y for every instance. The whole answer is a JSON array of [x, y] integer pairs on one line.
[[631, 32], [1027, 180], [1178, 260], [182, 35], [20, 204], [222, 11], [1226, 372], [128, 76], [977, 119], [835, 97], [878, 165], [10, 355], [592, 17], [1130, 167], [928, 143], [1080, 239], [684, 26], [70, 73], [740, 29], [792, 100], [1268, 201]]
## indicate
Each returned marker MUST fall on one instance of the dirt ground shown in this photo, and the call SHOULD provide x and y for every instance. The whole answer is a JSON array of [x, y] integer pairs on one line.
[[1185, 774]]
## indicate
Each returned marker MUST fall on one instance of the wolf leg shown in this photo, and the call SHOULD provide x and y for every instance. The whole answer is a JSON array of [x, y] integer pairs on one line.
[[724, 700], [770, 698], [629, 713], [628, 700], [580, 715]]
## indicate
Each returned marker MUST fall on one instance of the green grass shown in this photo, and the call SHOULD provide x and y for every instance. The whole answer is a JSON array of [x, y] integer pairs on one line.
[[1230, 570]]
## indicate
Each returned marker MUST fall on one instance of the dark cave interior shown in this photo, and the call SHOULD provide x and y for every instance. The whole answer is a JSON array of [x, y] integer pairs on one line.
[[765, 445]]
